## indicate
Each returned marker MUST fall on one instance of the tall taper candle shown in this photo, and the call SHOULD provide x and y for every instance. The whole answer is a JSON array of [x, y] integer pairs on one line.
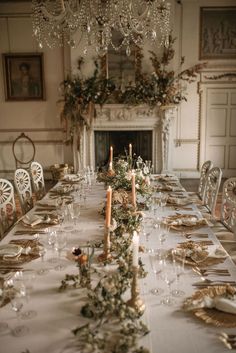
[[130, 150], [108, 207], [135, 243], [133, 189], [111, 156]]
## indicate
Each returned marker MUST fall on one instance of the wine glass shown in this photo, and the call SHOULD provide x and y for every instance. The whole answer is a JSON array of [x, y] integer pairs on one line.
[[26, 279], [4, 297], [42, 252], [156, 260], [17, 297], [60, 244], [147, 228], [178, 257], [50, 242], [76, 212], [162, 232], [169, 276]]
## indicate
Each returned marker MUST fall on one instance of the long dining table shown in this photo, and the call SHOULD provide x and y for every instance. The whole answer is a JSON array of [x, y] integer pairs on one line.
[[57, 313]]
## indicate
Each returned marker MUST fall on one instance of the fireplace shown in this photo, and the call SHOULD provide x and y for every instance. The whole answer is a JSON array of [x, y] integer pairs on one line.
[[149, 131], [141, 144]]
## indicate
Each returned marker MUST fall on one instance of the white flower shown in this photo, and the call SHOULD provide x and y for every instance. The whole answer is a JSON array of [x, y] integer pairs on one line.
[[145, 170], [128, 175]]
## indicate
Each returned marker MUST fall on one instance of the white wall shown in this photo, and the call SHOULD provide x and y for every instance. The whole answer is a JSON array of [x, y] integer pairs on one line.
[[41, 120], [187, 155]]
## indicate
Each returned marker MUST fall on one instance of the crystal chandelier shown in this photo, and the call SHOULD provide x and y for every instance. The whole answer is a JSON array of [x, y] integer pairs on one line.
[[101, 22]]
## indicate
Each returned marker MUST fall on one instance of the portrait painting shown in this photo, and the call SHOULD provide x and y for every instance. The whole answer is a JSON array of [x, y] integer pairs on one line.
[[23, 75], [217, 33]]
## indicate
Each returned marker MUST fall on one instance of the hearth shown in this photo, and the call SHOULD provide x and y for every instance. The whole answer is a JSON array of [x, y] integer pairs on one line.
[[141, 144]]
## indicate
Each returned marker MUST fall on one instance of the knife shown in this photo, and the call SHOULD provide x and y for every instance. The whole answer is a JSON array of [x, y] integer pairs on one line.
[[213, 283]]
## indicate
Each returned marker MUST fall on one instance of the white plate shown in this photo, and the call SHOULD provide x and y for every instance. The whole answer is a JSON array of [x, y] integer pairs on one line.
[[10, 250]]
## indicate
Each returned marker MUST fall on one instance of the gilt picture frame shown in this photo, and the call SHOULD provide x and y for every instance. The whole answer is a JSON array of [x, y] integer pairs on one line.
[[23, 76], [217, 33]]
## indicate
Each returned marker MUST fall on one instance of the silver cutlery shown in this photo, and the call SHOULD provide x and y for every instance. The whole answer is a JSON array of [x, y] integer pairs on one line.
[[197, 235], [207, 282], [229, 342], [227, 336], [209, 272]]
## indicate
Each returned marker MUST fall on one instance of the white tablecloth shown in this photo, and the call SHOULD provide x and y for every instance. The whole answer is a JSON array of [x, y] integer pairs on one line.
[[172, 330]]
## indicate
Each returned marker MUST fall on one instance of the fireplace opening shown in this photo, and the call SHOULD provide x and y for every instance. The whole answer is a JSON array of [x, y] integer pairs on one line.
[[141, 144]]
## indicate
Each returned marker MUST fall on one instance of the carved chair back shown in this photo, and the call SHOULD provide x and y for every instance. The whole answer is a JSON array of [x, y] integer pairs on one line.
[[23, 187], [7, 206], [36, 172], [213, 180], [228, 206], [23, 149], [203, 175]]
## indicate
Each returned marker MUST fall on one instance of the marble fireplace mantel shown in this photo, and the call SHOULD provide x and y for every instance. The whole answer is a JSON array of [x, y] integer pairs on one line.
[[118, 117]]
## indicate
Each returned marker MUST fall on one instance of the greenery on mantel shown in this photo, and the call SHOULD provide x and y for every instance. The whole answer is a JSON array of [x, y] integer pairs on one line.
[[160, 88]]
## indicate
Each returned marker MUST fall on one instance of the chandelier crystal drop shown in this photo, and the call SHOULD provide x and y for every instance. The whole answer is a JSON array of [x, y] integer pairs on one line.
[[102, 23]]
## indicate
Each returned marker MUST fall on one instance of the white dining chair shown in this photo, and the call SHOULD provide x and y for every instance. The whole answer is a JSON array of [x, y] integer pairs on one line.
[[213, 180], [23, 187], [202, 181], [37, 177], [225, 228], [7, 206]]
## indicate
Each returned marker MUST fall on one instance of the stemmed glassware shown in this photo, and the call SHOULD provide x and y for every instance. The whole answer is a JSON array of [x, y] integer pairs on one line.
[[162, 230], [178, 257], [60, 244], [147, 229], [26, 278], [42, 252], [169, 276], [17, 292], [156, 257], [76, 212]]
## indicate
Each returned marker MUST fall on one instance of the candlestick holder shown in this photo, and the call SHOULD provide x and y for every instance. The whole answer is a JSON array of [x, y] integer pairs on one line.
[[106, 255], [135, 300]]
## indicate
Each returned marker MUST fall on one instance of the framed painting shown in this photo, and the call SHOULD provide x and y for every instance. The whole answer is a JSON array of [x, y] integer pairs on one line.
[[217, 33], [23, 75]]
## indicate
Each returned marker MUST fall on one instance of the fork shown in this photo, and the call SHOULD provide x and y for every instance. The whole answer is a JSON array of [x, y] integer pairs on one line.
[[208, 272], [228, 343], [229, 337]]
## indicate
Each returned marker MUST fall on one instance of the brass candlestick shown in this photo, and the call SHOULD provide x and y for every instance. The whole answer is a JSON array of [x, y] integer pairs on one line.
[[135, 300], [106, 255]]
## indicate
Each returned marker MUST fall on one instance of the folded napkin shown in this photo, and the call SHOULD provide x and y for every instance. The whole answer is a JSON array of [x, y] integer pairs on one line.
[[185, 220], [179, 200], [221, 303], [10, 250], [33, 220]]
